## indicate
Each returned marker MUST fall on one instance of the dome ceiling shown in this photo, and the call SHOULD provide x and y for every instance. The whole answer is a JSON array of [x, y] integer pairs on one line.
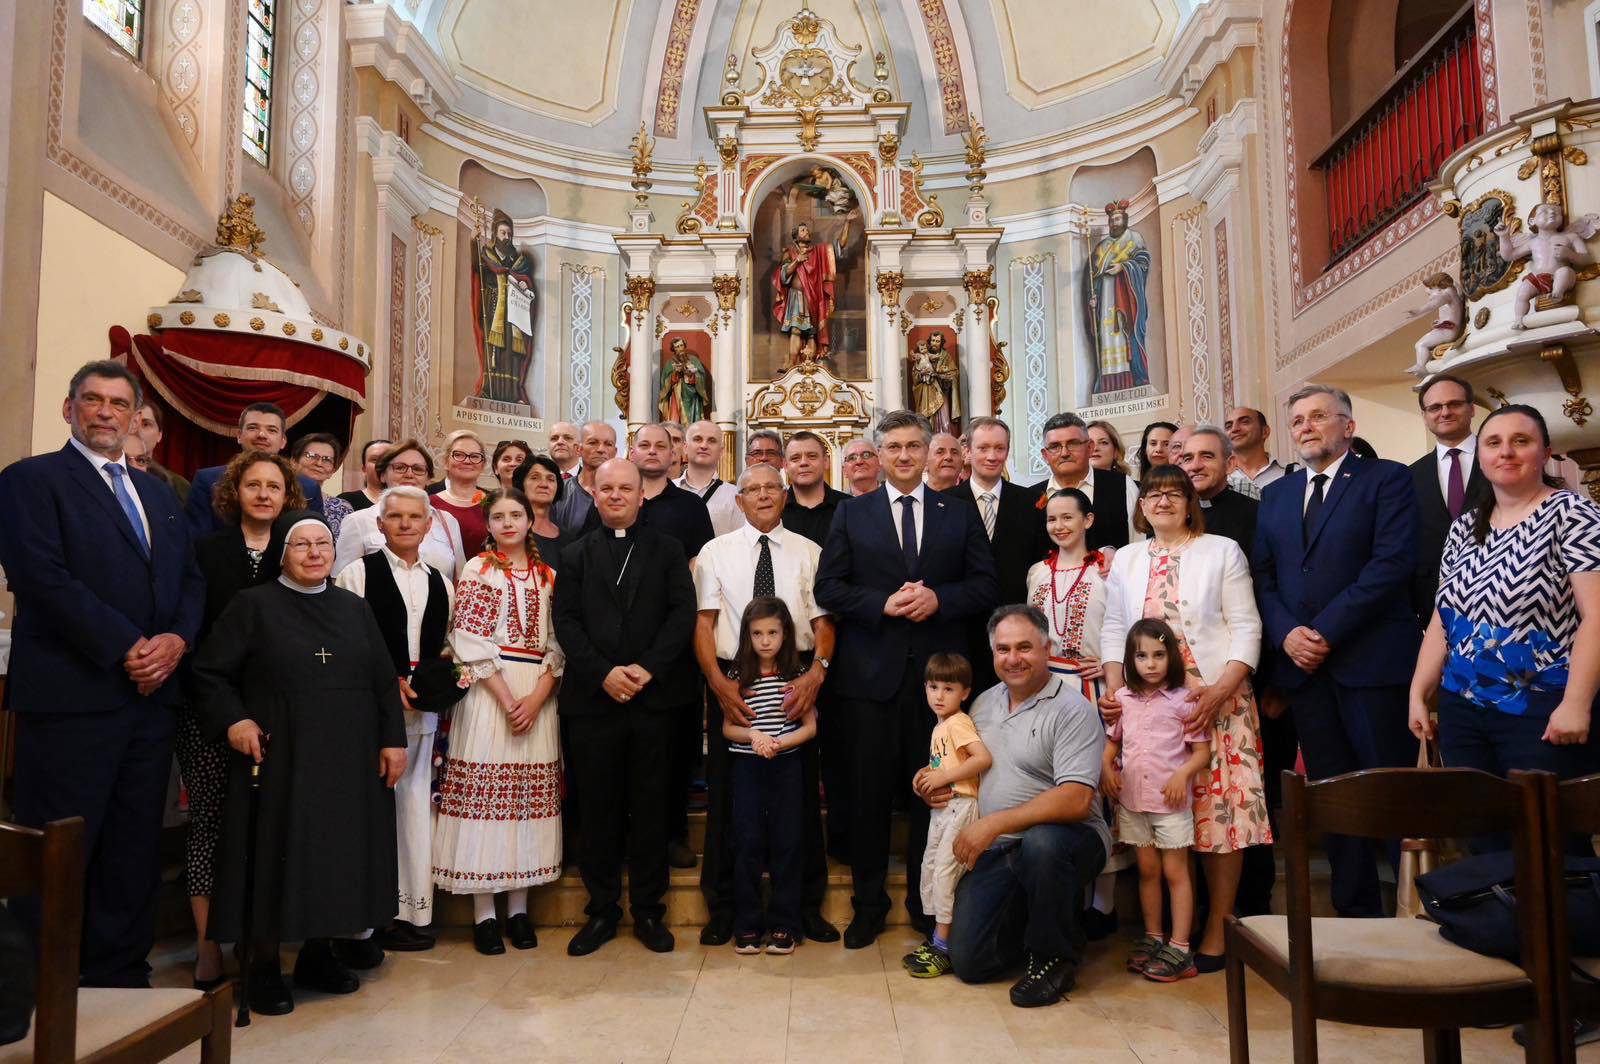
[[586, 73]]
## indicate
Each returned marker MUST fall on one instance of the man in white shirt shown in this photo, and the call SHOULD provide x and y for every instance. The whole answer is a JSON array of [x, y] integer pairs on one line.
[[412, 603], [760, 557], [1112, 494], [1248, 431], [703, 444], [1446, 480], [564, 449]]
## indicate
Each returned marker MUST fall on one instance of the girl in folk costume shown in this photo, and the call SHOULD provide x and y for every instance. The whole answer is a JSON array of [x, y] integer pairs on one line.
[[1070, 588], [499, 825]]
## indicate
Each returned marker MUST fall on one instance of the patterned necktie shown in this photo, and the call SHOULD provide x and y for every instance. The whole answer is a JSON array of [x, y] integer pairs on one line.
[[125, 500], [986, 507], [1318, 482], [908, 533], [566, 476], [765, 585], [1455, 493]]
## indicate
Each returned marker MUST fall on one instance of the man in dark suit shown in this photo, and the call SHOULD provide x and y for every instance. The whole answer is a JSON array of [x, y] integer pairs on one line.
[[904, 571], [624, 613], [1335, 550], [1112, 494], [1204, 455], [811, 501], [108, 601], [1011, 523], [1447, 480], [261, 428]]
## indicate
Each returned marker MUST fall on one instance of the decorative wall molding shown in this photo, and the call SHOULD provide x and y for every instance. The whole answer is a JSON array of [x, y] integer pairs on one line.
[[305, 89], [1073, 218], [391, 45], [1213, 33], [1192, 233], [428, 240], [1219, 157], [1404, 287], [1037, 290], [542, 229], [182, 77], [397, 337], [1541, 86], [585, 298], [946, 55], [675, 56], [1224, 318], [396, 169]]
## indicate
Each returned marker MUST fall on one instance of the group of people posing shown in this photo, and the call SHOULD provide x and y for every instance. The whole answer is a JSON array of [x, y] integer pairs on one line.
[[410, 686]]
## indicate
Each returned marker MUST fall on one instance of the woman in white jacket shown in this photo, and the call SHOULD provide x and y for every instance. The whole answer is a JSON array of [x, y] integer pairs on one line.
[[1200, 585]]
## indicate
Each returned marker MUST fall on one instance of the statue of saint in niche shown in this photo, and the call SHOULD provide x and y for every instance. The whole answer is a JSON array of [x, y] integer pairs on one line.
[[502, 305], [685, 386], [1115, 304], [936, 383], [803, 294]]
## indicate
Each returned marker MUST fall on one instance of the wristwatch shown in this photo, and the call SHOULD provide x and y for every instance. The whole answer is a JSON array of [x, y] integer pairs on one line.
[[825, 663]]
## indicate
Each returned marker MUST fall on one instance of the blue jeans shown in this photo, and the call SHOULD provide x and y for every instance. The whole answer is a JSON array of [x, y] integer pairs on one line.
[[1024, 894], [1482, 737], [768, 833]]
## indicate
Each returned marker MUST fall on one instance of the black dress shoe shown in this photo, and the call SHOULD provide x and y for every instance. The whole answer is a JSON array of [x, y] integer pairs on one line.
[[718, 930], [817, 929], [486, 938], [1097, 925], [318, 969], [679, 855], [359, 954], [862, 932], [207, 985], [404, 937], [592, 935], [519, 929], [654, 934], [269, 994], [1045, 982]]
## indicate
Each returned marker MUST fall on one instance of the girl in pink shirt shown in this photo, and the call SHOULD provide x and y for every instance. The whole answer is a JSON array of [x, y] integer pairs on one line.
[[1162, 747]]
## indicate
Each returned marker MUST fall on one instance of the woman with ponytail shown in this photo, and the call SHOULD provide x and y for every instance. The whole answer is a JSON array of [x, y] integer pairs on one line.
[[1515, 637], [499, 825]]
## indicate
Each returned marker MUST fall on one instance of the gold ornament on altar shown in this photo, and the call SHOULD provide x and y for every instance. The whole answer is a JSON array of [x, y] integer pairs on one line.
[[975, 138], [808, 135], [726, 286], [889, 148], [728, 150], [978, 284], [237, 227], [640, 291], [689, 222], [731, 96], [880, 75], [890, 282], [643, 149], [619, 378]]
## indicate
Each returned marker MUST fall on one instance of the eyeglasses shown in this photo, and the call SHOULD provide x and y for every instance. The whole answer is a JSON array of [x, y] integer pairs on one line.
[[1316, 417], [318, 459], [1164, 496], [465, 458], [301, 546], [1069, 445], [1454, 406], [416, 469], [762, 489], [861, 458], [767, 452]]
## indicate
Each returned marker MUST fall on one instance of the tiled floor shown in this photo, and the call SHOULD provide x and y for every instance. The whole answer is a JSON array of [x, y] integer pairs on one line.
[[823, 1003]]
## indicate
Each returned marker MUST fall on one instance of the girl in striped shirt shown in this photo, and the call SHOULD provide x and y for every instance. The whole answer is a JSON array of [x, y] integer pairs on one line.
[[767, 782]]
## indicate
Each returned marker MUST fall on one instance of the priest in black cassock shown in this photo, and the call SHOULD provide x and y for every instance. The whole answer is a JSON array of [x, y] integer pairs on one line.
[[298, 676]]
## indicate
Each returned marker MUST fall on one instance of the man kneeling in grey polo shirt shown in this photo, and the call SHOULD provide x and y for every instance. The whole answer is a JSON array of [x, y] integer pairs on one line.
[[1039, 839]]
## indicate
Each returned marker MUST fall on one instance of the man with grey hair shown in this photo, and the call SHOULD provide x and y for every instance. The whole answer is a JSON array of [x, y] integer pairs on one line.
[[1234, 479], [1040, 838], [762, 557], [1334, 555], [861, 470], [597, 444], [904, 569], [764, 445], [411, 601], [1112, 495]]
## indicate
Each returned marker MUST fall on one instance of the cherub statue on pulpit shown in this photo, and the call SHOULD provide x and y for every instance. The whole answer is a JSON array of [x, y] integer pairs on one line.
[[1553, 248], [803, 294]]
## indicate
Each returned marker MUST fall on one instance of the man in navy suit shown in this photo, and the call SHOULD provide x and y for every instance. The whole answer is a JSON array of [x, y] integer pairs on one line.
[[1335, 552], [904, 570], [261, 428], [108, 601], [1447, 480]]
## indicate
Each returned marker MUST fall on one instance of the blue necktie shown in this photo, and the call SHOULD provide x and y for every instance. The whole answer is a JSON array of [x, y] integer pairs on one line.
[[908, 533], [125, 500]]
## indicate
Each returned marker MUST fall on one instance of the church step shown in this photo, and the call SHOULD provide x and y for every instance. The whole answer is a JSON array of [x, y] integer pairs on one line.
[[697, 831]]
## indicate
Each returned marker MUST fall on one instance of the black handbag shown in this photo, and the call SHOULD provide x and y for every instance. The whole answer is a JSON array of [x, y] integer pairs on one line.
[[1474, 902], [17, 987]]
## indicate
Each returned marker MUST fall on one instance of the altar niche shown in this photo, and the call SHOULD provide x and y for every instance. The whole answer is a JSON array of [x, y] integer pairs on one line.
[[822, 201]]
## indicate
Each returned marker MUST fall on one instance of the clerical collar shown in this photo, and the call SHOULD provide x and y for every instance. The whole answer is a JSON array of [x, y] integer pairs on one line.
[[621, 533], [283, 578]]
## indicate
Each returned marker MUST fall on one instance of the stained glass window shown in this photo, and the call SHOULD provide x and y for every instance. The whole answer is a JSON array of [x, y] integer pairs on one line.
[[260, 24], [122, 20]]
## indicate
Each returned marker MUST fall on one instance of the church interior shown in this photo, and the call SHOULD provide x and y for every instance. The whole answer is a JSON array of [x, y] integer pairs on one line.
[[404, 218]]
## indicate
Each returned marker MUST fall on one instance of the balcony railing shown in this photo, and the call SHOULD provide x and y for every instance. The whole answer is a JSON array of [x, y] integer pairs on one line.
[[1380, 164]]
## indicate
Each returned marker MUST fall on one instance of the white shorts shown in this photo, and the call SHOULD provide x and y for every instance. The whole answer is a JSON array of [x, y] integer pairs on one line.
[[940, 869], [1165, 831]]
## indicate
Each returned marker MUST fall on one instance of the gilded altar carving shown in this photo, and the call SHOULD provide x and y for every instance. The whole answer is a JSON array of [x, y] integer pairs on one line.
[[643, 149], [728, 149], [237, 227], [619, 378], [890, 283], [1482, 269], [808, 134], [889, 148], [640, 289], [974, 139], [702, 210], [726, 286], [978, 283]]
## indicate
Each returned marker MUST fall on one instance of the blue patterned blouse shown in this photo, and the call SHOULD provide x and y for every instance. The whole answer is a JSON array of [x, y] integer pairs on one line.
[[1507, 604]]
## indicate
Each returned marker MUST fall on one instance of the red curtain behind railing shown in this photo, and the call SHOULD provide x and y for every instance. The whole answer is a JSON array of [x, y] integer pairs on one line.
[[1382, 163]]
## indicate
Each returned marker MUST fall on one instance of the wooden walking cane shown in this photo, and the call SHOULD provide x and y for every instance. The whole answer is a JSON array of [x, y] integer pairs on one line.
[[247, 945]]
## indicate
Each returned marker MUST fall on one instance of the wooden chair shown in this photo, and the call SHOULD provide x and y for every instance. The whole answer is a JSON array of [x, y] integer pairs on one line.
[[122, 1026], [1572, 808], [1399, 973]]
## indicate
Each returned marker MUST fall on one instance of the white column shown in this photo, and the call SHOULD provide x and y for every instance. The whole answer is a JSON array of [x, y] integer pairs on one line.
[[975, 356], [887, 350], [640, 379]]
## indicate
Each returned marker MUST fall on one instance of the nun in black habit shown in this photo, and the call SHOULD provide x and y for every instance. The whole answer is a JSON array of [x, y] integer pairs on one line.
[[298, 678]]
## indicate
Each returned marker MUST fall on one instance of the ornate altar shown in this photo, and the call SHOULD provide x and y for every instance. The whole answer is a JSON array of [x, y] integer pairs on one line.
[[795, 266], [1521, 195]]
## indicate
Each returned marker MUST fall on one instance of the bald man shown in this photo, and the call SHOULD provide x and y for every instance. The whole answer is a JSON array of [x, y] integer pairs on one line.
[[703, 455], [597, 444], [564, 449]]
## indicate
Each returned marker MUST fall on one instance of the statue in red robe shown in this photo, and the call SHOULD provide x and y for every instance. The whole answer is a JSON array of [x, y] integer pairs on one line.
[[803, 295]]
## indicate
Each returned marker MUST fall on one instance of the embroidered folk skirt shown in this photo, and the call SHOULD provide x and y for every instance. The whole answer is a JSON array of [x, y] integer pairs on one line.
[[499, 823]]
